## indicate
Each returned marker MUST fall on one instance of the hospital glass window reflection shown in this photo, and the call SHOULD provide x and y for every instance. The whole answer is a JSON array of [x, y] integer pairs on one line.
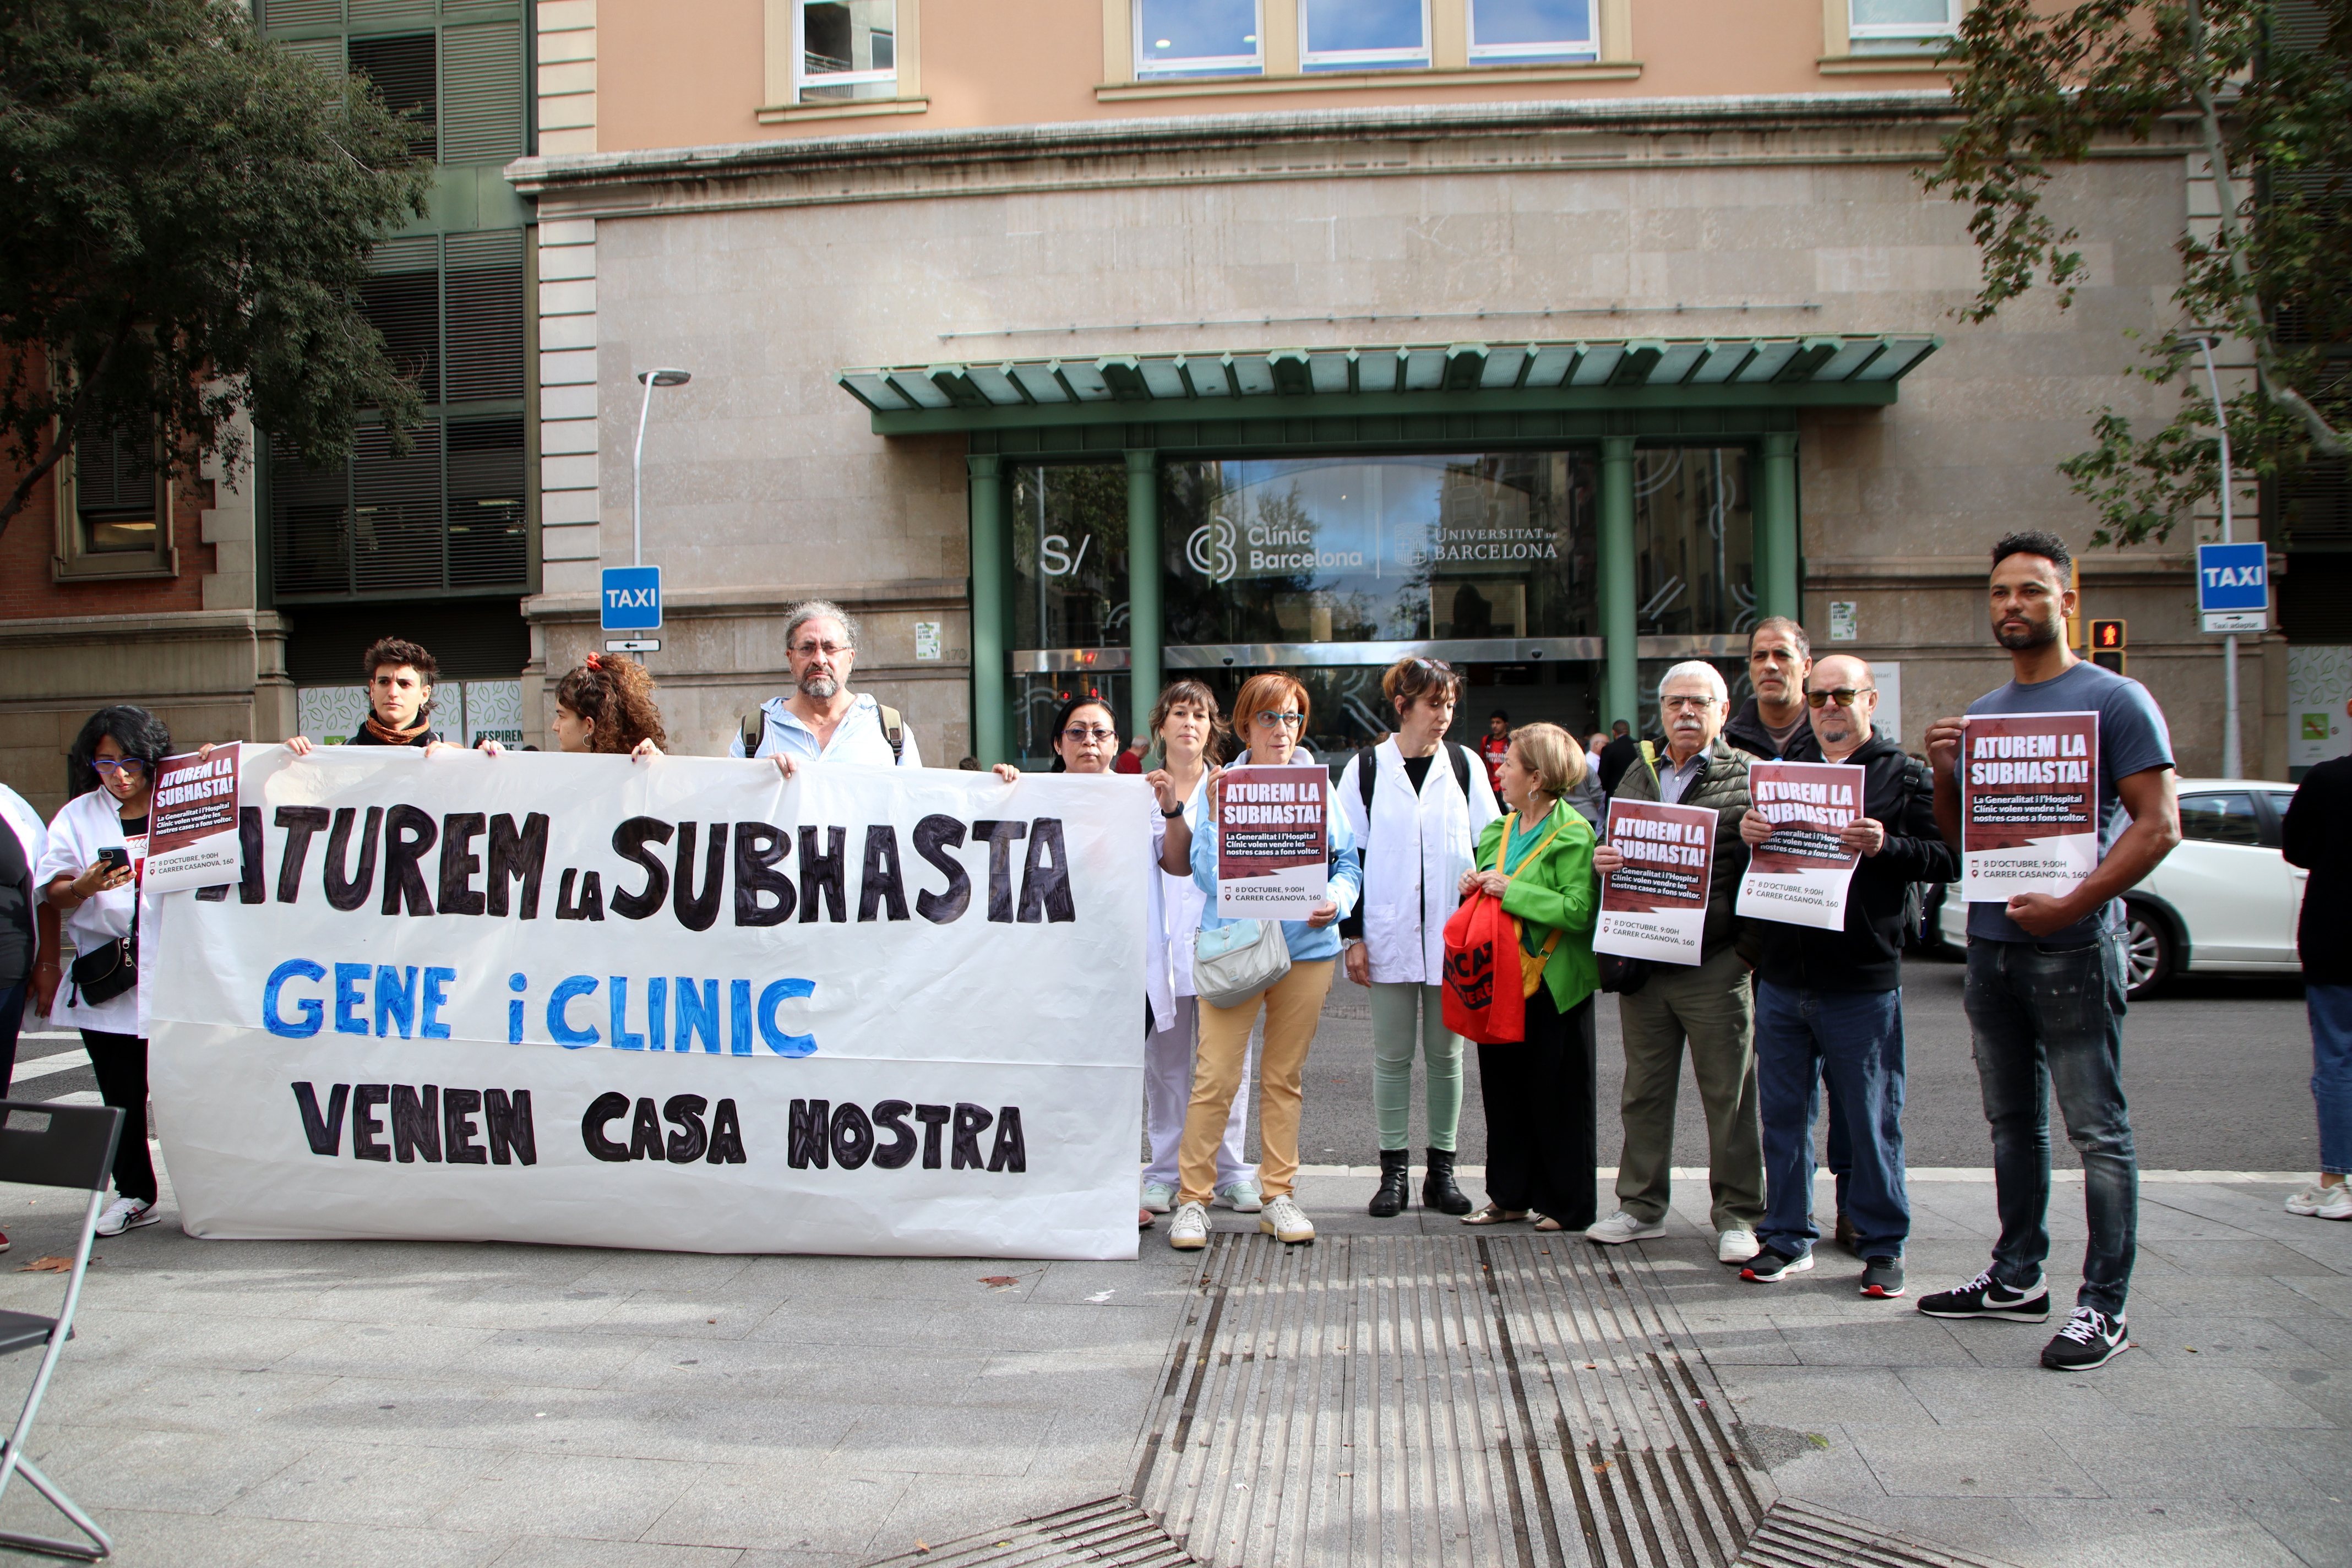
[[1313, 550], [1692, 542], [1069, 556]]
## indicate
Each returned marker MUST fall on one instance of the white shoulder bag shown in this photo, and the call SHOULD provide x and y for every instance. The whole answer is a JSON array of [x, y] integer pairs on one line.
[[1237, 961]]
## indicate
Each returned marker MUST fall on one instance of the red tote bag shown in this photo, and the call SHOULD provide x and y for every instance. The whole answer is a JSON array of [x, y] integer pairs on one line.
[[1482, 943]]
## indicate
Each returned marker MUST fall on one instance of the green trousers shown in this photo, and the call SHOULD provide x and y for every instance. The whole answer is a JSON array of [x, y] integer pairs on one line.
[[1396, 1009], [1707, 1006]]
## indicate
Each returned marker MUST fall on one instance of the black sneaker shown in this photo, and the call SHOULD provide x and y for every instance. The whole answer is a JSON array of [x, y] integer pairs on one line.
[[2090, 1339], [1771, 1265], [1881, 1277], [1983, 1297]]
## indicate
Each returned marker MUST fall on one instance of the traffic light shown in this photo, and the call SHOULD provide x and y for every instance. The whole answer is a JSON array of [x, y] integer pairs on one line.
[[2108, 642]]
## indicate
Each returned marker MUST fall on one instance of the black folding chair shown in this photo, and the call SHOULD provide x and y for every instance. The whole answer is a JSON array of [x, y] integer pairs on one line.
[[53, 1146]]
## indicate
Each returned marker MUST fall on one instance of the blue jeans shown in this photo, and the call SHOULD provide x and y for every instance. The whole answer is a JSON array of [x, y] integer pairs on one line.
[[1852, 1040], [2331, 1072], [2046, 1021]]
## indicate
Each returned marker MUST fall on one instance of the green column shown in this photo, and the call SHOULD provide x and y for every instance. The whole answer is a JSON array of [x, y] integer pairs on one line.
[[1776, 528], [1144, 627], [990, 627], [1621, 679]]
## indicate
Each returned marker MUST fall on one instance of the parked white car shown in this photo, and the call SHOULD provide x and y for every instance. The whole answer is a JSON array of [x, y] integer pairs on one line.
[[2223, 902]]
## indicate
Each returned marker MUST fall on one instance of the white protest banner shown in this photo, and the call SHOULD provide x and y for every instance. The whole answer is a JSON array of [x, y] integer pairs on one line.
[[191, 825], [1655, 906], [2029, 803], [1800, 875], [680, 1004], [1273, 860]]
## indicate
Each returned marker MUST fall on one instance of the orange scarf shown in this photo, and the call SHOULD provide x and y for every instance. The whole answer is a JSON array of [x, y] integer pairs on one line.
[[392, 737]]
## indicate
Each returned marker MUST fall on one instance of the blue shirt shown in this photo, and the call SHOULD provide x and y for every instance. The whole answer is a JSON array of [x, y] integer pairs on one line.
[[1305, 941], [2132, 739], [859, 738]]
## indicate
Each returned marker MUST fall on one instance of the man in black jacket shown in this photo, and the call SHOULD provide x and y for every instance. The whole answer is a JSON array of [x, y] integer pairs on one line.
[[2318, 837], [1829, 1004], [1771, 724]]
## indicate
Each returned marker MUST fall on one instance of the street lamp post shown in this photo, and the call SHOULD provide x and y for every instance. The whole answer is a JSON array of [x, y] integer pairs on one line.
[[666, 376], [2232, 758]]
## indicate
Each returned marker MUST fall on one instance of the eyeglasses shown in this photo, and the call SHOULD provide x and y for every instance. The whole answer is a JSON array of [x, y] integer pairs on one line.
[[1079, 734], [830, 649], [117, 764], [1686, 704], [1843, 696], [1288, 720]]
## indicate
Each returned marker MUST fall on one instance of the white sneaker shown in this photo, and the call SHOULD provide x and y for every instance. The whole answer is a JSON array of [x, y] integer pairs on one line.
[[126, 1214], [2332, 1202], [1285, 1220], [1189, 1231], [1159, 1196], [1622, 1227], [1242, 1197], [1737, 1245]]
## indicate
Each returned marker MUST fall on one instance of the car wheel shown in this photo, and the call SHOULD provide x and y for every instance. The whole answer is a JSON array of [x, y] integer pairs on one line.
[[2148, 951]]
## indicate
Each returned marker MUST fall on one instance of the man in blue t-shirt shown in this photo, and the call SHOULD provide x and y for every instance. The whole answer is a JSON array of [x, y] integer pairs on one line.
[[2045, 987]]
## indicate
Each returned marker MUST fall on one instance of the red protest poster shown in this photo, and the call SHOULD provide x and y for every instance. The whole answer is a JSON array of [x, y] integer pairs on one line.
[[1655, 906], [192, 830], [2029, 803], [1801, 873], [1273, 855]]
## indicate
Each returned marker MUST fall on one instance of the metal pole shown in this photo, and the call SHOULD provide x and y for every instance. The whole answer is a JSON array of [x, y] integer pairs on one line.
[[2230, 754], [638, 480]]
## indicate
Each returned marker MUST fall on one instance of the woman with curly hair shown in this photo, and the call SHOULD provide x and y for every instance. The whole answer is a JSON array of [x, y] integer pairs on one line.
[[605, 704]]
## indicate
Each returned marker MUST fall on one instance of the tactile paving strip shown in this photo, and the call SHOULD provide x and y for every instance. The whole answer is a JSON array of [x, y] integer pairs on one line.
[[1513, 1400]]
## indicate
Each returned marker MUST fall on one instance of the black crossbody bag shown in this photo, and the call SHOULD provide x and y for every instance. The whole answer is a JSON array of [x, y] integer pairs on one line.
[[103, 973]]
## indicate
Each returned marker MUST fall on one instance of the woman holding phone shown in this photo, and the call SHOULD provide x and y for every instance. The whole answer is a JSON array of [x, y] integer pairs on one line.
[[98, 846]]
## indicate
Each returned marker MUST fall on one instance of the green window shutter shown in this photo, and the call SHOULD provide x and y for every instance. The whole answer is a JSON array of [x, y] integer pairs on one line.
[[327, 53], [402, 67], [302, 13], [488, 545], [310, 522], [481, 93], [378, 13], [114, 473], [396, 532], [403, 300], [485, 316]]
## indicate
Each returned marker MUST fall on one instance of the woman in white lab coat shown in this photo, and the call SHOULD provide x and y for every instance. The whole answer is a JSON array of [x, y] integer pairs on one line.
[[1417, 819]]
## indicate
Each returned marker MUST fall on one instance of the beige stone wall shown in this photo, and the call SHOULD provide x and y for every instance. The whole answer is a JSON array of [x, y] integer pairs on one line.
[[761, 476]]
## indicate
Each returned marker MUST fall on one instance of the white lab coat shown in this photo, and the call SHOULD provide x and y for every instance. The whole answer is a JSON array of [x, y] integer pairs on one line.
[[88, 823], [33, 838], [1415, 847]]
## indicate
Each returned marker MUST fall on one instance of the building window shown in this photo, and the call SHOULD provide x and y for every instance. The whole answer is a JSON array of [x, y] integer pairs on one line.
[[114, 508], [1900, 27], [1197, 38], [1363, 34], [406, 73], [1531, 32], [845, 49]]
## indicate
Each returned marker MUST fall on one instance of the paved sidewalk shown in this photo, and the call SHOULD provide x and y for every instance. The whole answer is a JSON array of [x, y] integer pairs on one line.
[[360, 1404]]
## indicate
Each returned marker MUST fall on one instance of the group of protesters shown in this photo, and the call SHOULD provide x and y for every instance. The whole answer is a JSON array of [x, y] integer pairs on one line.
[[1776, 1017]]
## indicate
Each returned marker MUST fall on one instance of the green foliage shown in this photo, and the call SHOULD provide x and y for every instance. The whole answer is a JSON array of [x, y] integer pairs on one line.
[[185, 216], [2042, 88]]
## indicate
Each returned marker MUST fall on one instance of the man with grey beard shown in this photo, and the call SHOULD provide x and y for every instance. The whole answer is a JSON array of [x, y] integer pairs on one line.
[[823, 719]]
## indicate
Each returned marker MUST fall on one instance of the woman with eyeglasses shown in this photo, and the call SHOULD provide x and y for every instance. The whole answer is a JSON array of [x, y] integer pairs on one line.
[[97, 848], [1539, 1090], [1270, 712], [1417, 803], [1086, 741]]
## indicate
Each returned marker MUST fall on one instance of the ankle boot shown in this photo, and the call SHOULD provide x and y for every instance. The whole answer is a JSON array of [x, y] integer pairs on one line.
[[1396, 1178], [1437, 1189]]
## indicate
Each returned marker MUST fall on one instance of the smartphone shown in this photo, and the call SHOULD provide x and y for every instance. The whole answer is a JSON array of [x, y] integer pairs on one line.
[[116, 856]]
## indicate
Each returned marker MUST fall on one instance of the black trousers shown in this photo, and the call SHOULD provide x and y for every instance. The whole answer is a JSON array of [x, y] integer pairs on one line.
[[13, 1002], [1539, 1095], [121, 1063]]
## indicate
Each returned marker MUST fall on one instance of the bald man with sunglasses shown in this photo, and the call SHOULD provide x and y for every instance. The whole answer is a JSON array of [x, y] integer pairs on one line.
[[1829, 1004]]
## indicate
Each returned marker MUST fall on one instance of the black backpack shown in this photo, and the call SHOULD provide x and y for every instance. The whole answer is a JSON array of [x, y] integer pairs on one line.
[[755, 729]]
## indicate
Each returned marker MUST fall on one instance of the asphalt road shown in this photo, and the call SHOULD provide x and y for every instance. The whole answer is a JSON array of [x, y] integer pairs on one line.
[[2218, 1072]]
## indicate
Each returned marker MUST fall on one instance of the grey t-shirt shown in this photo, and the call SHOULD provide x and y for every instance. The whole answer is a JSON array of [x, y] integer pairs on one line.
[[2132, 739]]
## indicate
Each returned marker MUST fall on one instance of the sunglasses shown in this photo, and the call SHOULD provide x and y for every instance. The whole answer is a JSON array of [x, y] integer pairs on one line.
[[1079, 734], [1843, 696], [117, 764]]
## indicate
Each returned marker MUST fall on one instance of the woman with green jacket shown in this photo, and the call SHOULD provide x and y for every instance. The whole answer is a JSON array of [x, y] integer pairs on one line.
[[1540, 1091]]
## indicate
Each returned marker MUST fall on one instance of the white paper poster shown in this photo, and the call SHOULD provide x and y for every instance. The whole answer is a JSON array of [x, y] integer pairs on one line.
[[1655, 906], [1802, 874], [680, 1005], [192, 820], [2029, 803], [1273, 856]]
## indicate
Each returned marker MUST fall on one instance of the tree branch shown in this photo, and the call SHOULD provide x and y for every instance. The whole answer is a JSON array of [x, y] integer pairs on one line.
[[85, 390]]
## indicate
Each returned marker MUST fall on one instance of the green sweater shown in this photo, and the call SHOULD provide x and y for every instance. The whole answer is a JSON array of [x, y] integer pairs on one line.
[[1555, 891]]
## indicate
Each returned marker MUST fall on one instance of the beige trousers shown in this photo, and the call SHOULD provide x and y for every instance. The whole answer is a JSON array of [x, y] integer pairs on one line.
[[1292, 1005]]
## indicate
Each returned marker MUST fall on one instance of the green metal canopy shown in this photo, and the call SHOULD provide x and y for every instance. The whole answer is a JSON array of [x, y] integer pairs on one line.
[[1408, 378]]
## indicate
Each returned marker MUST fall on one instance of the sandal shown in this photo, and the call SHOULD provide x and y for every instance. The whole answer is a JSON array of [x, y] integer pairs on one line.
[[1546, 1224], [1495, 1214]]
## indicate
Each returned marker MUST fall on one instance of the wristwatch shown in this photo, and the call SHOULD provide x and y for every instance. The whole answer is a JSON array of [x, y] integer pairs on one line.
[[1172, 816]]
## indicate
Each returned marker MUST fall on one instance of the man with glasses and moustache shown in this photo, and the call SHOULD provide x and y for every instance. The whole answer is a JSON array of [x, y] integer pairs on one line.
[[823, 719], [1706, 1003], [1829, 1004]]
